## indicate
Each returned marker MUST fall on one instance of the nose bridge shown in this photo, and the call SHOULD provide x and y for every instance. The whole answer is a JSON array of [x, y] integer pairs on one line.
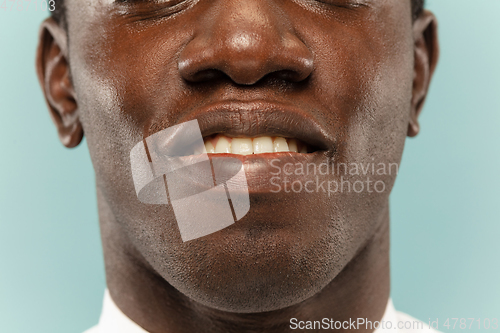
[[245, 39]]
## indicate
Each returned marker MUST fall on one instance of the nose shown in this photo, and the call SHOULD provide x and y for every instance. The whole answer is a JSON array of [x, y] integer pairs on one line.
[[245, 40]]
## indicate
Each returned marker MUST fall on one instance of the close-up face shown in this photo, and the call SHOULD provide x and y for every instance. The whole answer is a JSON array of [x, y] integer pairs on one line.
[[336, 76]]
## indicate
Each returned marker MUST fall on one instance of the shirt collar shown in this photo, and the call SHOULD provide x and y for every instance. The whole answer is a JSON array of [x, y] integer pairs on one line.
[[113, 320], [390, 315]]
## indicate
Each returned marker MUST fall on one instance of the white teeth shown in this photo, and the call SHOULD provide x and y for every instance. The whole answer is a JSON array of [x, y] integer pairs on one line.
[[292, 145], [280, 145], [223, 145], [261, 145], [209, 147], [248, 146], [242, 146]]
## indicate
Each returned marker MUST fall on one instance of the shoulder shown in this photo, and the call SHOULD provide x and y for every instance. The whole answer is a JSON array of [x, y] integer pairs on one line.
[[409, 324]]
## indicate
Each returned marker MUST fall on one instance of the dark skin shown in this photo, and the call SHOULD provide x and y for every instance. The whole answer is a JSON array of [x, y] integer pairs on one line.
[[359, 69]]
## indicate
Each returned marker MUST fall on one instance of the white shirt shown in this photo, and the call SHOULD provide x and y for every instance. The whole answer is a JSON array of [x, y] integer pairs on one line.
[[113, 320]]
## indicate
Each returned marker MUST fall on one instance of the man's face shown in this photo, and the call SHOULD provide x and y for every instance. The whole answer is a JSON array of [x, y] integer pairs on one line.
[[335, 74]]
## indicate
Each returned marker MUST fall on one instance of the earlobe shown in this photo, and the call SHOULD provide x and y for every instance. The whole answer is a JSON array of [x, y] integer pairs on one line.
[[426, 55], [54, 77]]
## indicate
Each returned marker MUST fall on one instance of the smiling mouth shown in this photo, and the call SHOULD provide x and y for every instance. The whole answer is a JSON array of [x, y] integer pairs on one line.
[[259, 129], [222, 144]]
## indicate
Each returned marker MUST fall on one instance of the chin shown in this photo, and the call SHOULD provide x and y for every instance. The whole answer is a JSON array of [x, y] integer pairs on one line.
[[272, 259], [244, 271]]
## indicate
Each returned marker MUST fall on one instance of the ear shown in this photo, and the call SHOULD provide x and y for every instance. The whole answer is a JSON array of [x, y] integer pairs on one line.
[[426, 45], [54, 76]]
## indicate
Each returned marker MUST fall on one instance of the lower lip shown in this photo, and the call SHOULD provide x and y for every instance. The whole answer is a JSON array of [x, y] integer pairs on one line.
[[260, 169]]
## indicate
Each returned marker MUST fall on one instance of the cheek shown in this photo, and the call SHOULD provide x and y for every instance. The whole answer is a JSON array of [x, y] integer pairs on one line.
[[124, 80], [364, 77]]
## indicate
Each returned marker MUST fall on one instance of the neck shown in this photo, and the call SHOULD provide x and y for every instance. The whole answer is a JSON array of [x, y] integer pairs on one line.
[[360, 290]]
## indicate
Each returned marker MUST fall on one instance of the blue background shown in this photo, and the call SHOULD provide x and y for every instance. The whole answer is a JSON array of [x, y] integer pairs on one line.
[[445, 206]]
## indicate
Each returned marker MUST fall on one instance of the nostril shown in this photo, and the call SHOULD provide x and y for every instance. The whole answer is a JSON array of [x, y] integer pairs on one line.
[[287, 75], [207, 75]]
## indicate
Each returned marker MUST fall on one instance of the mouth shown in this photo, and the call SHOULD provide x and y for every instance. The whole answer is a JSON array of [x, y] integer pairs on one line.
[[259, 128], [265, 137]]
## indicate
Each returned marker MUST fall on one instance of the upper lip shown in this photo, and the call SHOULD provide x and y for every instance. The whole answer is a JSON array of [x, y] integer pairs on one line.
[[244, 119]]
